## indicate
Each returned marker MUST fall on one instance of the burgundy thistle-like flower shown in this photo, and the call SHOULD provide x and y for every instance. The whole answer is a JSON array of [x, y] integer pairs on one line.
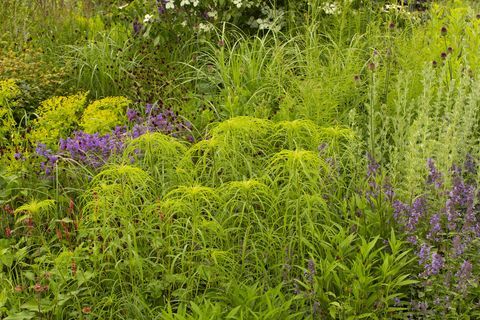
[[443, 31]]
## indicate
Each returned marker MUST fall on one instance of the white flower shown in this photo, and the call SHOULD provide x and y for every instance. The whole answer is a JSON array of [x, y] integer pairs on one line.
[[204, 27], [238, 3], [184, 2], [148, 18], [212, 14], [184, 23], [170, 5], [331, 8]]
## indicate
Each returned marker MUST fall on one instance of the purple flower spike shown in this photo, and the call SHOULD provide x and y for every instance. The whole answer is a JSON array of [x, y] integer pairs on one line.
[[137, 27], [434, 176], [464, 275], [424, 254], [373, 166]]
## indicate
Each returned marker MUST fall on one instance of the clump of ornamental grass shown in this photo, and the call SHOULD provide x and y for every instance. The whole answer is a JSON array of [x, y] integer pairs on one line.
[[243, 75], [119, 187], [297, 172], [103, 65], [295, 134], [246, 214], [158, 154], [236, 147]]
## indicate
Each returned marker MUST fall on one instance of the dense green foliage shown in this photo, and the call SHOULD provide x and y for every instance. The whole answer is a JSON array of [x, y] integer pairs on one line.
[[234, 159]]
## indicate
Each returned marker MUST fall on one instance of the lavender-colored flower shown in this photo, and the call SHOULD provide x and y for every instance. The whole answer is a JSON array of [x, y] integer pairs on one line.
[[388, 191], [137, 27], [322, 147], [51, 159], [161, 6], [470, 164], [373, 166], [458, 246], [398, 209], [435, 226], [18, 155], [460, 198], [296, 288], [412, 239], [132, 115], [396, 301], [93, 149], [464, 275], [436, 264], [416, 212], [310, 273], [423, 254], [434, 176], [150, 108], [420, 306]]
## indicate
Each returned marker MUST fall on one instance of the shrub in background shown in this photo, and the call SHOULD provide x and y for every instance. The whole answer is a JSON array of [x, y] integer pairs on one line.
[[102, 116]]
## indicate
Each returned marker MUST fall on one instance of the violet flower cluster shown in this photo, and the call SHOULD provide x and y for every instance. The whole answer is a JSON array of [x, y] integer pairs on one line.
[[443, 224], [94, 150], [155, 119]]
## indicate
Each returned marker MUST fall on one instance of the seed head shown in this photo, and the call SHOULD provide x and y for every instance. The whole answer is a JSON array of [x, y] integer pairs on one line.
[[443, 31]]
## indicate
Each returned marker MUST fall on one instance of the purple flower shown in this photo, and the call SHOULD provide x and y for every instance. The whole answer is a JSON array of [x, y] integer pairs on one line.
[[373, 166], [93, 149], [161, 6], [412, 239], [51, 159], [310, 273], [398, 209], [423, 254], [388, 191], [321, 148], [458, 246], [463, 275], [137, 27], [396, 301], [435, 226], [436, 264], [132, 115], [470, 165], [17, 155], [415, 213], [434, 176]]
